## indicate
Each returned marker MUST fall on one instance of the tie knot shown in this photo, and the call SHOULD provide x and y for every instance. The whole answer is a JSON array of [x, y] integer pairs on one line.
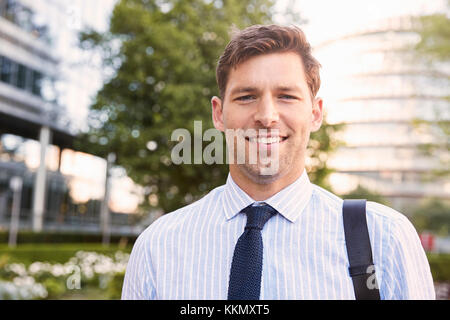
[[257, 216]]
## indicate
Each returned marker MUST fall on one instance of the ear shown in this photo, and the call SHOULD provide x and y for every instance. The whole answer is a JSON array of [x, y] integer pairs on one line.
[[217, 114], [317, 114]]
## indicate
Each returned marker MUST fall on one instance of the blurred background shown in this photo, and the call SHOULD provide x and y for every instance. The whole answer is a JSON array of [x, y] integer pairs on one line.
[[90, 92]]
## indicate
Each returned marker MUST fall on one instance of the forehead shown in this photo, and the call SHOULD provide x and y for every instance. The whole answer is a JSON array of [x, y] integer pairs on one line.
[[272, 70]]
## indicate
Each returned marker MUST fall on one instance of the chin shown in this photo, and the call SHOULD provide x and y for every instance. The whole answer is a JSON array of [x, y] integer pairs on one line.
[[261, 175]]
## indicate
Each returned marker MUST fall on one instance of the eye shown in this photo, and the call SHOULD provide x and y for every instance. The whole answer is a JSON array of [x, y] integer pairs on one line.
[[245, 98], [286, 97]]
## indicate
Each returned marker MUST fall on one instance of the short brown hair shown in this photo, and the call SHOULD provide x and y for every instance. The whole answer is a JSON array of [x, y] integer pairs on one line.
[[263, 39]]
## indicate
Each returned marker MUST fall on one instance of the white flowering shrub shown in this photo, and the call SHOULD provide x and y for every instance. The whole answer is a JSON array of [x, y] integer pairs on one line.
[[22, 288], [41, 280]]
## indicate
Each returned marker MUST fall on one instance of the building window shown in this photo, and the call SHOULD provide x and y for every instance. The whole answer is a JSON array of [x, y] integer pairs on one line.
[[6, 71], [24, 18], [7, 9], [21, 76], [25, 78], [2, 8], [36, 83]]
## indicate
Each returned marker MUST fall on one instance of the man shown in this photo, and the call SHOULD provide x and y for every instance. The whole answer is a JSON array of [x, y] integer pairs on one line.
[[270, 234]]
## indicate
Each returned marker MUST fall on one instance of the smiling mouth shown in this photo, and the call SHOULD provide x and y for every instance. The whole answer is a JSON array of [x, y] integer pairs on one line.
[[266, 140]]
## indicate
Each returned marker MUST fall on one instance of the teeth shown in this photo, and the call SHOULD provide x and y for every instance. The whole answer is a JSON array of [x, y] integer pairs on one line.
[[267, 140]]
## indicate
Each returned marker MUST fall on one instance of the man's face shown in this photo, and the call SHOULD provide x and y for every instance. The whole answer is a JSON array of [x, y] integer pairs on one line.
[[269, 92]]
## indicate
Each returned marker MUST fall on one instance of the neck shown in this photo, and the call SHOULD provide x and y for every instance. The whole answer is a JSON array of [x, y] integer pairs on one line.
[[262, 190]]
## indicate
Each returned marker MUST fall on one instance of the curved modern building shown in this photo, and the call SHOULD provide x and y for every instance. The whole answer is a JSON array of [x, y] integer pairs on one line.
[[376, 85]]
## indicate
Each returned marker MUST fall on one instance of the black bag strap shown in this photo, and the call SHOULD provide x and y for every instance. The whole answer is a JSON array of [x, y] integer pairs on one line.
[[359, 250]]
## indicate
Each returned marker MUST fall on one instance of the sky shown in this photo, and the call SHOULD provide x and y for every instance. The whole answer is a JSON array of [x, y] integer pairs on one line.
[[326, 17]]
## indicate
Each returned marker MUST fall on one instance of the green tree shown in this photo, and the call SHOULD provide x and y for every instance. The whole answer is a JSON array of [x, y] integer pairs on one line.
[[363, 193], [433, 215], [321, 144], [435, 36], [162, 57], [434, 50]]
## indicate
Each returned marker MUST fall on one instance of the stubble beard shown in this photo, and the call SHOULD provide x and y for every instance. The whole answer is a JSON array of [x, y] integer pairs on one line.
[[261, 173]]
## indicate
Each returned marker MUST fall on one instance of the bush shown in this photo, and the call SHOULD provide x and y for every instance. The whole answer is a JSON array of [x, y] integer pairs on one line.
[[115, 284], [53, 253], [95, 274], [440, 267], [24, 237], [55, 287], [433, 215], [362, 193]]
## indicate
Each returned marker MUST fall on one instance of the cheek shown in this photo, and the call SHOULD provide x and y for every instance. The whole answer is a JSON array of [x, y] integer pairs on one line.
[[301, 133], [235, 119], [299, 124]]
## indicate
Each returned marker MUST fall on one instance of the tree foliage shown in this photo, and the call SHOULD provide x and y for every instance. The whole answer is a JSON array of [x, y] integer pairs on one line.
[[363, 193], [162, 57], [433, 215], [322, 143], [434, 48], [435, 36]]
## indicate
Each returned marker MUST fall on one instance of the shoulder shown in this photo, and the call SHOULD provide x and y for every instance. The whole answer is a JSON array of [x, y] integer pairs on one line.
[[379, 216], [402, 233], [395, 220], [326, 196], [326, 199]]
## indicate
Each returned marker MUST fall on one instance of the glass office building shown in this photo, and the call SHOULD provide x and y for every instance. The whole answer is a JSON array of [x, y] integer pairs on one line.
[[45, 91], [381, 90]]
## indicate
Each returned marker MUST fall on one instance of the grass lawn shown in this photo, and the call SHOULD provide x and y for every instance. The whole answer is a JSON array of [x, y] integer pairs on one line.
[[85, 294]]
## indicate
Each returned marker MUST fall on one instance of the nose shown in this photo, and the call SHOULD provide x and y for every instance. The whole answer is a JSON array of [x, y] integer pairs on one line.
[[266, 113]]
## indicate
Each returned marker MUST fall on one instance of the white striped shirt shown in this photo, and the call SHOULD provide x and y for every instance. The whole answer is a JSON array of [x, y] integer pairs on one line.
[[187, 254]]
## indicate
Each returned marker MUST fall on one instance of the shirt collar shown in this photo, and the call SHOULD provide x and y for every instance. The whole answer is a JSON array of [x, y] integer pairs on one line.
[[289, 202]]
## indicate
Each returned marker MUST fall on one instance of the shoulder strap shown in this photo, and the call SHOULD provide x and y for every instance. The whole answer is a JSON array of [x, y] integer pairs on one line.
[[359, 250]]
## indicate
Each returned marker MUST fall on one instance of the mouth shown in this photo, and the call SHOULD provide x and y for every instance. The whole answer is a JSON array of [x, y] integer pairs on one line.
[[267, 140]]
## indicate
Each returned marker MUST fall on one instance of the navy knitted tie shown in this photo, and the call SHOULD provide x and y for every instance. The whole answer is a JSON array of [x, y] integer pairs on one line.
[[246, 268]]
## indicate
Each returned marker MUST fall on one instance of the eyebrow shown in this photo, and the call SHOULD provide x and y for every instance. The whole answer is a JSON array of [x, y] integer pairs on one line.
[[289, 88], [243, 90], [239, 90]]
